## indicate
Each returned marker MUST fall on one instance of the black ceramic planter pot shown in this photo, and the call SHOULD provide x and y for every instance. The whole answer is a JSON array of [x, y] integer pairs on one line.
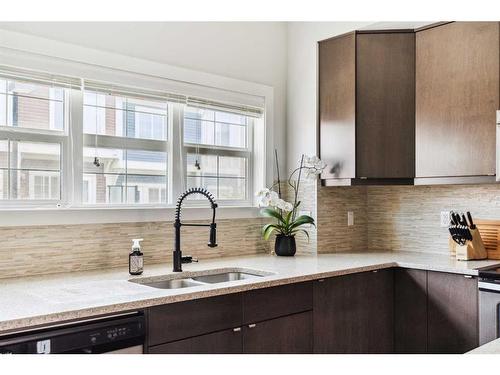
[[285, 245]]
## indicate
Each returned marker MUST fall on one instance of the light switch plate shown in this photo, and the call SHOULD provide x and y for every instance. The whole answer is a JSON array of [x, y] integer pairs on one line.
[[350, 218]]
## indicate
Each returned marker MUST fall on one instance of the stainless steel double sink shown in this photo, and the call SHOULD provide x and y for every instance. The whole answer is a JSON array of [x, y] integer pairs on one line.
[[192, 279]]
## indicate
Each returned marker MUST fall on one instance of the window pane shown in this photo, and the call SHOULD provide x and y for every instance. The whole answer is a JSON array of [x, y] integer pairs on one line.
[[35, 90], [3, 109], [230, 135], [33, 184], [146, 162], [34, 113], [103, 121], [208, 183], [232, 188], [35, 156], [138, 188], [124, 117], [104, 188], [146, 126], [197, 131], [230, 118], [4, 184], [230, 166], [215, 128], [111, 160], [199, 114], [207, 165]]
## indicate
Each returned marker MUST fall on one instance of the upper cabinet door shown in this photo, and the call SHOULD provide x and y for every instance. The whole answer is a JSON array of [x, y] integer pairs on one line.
[[385, 107], [337, 106], [457, 95]]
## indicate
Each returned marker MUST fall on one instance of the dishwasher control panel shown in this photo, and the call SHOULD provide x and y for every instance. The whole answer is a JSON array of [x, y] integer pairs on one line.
[[96, 336]]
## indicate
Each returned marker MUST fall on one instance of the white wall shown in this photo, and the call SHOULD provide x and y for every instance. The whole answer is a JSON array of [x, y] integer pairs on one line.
[[249, 51], [301, 82]]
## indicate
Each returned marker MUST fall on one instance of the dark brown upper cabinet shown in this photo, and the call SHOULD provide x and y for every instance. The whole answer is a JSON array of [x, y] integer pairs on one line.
[[457, 95], [367, 107], [337, 106]]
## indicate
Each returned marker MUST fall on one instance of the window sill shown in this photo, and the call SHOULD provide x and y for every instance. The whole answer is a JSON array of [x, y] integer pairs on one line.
[[99, 215]]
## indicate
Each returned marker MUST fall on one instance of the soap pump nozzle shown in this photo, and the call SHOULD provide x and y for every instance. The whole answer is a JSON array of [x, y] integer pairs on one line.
[[136, 245]]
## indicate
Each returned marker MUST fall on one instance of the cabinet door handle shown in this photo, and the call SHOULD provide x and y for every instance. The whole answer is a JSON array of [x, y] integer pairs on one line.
[[321, 280], [252, 325], [468, 276], [237, 329]]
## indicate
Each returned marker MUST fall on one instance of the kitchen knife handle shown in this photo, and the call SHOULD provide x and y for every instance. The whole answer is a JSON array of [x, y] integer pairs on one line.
[[471, 223]]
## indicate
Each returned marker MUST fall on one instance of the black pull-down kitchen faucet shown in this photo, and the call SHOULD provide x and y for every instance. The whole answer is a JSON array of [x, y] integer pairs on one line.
[[177, 254]]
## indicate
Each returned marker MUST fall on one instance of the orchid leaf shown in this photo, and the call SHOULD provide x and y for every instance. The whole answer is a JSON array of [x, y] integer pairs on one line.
[[303, 231], [301, 220], [269, 212], [268, 229]]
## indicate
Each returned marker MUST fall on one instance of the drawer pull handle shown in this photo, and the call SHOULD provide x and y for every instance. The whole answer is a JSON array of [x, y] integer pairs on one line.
[[321, 280], [237, 329], [252, 325], [468, 276]]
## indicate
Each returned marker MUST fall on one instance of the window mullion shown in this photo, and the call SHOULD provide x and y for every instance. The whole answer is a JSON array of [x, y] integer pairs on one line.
[[177, 170], [74, 158]]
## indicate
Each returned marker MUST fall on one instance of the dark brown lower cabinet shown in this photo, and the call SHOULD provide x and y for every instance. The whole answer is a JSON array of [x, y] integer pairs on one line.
[[224, 342], [452, 313], [354, 313], [410, 311], [290, 334], [383, 311]]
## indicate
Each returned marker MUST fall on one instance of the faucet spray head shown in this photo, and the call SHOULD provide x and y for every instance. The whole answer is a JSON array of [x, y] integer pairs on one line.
[[213, 235]]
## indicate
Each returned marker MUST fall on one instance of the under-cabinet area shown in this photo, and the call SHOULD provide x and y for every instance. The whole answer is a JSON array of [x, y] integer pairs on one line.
[[394, 310]]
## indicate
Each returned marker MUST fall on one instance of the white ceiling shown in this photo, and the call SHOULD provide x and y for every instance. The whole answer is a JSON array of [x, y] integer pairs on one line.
[[396, 25]]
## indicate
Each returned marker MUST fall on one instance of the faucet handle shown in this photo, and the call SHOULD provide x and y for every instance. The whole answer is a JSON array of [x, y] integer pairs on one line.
[[188, 259]]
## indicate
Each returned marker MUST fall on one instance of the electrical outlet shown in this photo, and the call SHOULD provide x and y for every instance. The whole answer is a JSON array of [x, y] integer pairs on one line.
[[445, 219], [350, 218]]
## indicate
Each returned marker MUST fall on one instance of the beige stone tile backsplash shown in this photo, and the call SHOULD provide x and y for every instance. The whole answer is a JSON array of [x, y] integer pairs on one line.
[[408, 217], [391, 218], [397, 218], [34, 250], [333, 233]]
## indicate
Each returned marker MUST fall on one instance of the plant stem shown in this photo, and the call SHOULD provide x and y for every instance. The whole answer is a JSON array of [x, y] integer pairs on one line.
[[297, 188], [278, 172]]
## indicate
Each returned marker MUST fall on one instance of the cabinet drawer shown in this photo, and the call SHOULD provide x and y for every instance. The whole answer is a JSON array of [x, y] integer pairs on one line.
[[193, 318], [290, 334], [223, 342], [269, 303]]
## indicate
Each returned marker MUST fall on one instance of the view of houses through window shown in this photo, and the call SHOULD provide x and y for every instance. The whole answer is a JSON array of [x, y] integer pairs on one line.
[[126, 147], [29, 167]]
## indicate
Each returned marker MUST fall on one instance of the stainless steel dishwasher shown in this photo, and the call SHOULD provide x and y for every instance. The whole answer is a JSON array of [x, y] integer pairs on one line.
[[489, 304], [118, 334]]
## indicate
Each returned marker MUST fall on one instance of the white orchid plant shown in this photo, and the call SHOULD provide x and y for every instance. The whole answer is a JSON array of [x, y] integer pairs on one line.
[[288, 223]]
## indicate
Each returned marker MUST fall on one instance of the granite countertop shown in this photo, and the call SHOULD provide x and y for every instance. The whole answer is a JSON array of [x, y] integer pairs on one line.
[[32, 301], [492, 347]]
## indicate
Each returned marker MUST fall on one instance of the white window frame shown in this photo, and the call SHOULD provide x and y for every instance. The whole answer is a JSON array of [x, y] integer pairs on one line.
[[73, 140], [73, 61], [48, 136], [247, 152], [123, 143]]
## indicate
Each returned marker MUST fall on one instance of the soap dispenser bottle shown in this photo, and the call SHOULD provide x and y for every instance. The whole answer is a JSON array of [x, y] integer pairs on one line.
[[136, 258]]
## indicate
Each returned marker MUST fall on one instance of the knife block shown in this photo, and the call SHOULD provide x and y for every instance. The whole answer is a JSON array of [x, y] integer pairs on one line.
[[471, 250]]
